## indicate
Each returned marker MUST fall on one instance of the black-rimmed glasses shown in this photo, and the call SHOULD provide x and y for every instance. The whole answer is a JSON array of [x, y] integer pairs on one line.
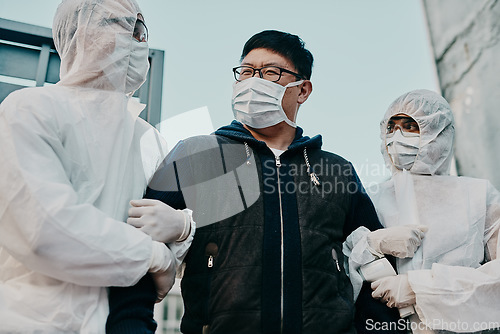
[[271, 73]]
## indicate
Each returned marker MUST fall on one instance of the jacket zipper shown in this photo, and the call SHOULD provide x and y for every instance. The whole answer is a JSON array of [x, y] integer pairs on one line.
[[211, 251], [278, 165], [210, 264]]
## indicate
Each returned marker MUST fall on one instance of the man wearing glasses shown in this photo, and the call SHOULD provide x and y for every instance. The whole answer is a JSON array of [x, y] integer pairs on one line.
[[272, 210]]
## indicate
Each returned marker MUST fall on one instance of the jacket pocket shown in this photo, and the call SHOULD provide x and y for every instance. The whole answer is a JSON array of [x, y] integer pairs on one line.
[[211, 252]]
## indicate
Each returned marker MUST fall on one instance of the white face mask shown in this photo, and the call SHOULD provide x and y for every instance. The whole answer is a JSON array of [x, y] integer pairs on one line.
[[257, 102], [403, 149], [138, 66]]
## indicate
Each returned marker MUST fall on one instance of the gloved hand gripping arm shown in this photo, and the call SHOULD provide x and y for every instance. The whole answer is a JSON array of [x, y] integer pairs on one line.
[[162, 269], [159, 220], [363, 246], [164, 224], [399, 241]]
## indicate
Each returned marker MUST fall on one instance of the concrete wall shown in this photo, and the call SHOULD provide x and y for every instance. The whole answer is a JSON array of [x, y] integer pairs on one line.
[[465, 36]]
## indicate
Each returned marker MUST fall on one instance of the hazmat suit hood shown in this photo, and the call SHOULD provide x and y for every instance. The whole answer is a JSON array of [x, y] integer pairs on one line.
[[95, 43], [435, 120], [448, 274]]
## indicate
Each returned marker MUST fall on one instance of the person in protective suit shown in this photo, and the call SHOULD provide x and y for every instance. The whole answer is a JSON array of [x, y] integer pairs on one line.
[[453, 279], [71, 160]]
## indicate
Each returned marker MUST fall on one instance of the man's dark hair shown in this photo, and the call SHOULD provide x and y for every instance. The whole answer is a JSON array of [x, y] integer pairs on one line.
[[287, 45]]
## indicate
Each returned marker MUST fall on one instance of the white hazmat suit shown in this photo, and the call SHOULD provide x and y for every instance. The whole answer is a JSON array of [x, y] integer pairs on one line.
[[455, 290], [70, 162]]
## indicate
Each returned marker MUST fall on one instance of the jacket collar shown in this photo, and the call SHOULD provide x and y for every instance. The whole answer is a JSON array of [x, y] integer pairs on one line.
[[237, 132]]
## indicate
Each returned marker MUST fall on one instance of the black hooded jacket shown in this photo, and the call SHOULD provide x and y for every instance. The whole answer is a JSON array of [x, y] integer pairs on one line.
[[267, 253]]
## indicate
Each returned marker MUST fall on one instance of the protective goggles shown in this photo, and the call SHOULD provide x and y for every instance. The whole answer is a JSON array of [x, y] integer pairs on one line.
[[407, 125]]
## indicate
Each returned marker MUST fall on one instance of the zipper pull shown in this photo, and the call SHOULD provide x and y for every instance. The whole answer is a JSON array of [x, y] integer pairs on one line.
[[211, 250], [314, 179], [313, 176], [335, 258], [278, 162]]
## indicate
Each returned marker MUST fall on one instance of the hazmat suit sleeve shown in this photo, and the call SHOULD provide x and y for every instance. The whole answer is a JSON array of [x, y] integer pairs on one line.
[[355, 247], [44, 223], [165, 186], [131, 308], [361, 220], [450, 295], [356, 250], [180, 248]]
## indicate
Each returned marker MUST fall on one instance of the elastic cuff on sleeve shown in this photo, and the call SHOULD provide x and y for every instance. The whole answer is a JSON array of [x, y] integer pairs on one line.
[[159, 255], [415, 277]]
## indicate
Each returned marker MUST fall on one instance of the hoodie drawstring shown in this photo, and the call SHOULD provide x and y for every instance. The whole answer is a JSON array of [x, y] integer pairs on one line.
[[247, 150], [312, 174]]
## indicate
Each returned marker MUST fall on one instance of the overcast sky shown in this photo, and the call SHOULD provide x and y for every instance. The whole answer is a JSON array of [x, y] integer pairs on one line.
[[367, 53]]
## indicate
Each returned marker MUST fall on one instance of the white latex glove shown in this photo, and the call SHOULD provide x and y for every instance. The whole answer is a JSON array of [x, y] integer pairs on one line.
[[162, 269], [400, 241], [157, 219], [395, 291]]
